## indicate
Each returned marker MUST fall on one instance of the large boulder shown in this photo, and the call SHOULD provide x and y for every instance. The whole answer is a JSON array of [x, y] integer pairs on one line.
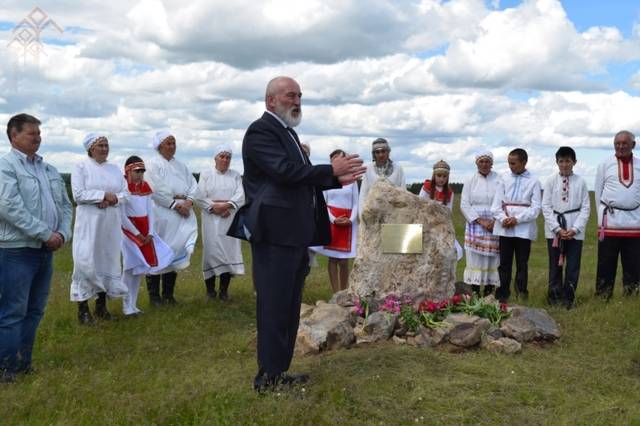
[[327, 326], [526, 324], [430, 274]]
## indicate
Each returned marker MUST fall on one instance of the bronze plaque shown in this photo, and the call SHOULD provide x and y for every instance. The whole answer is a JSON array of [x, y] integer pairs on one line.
[[401, 238]]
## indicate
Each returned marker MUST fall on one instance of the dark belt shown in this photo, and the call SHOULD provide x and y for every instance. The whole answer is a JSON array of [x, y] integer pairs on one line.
[[609, 209], [562, 221]]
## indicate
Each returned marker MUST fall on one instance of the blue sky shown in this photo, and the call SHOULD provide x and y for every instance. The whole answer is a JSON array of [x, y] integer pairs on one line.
[[439, 79]]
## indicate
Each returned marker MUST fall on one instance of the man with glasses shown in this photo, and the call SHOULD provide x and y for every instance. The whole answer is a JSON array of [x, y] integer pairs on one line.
[[382, 167]]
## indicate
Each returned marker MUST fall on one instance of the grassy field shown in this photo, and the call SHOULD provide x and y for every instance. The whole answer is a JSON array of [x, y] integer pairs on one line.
[[194, 364]]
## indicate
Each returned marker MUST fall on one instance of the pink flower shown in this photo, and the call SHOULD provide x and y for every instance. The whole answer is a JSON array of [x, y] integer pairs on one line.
[[504, 307], [456, 299], [432, 306]]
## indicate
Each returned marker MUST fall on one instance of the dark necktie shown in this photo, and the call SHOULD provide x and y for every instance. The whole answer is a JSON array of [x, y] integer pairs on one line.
[[298, 145]]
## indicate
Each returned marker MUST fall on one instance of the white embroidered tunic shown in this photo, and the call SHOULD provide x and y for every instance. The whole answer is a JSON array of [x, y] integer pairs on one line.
[[97, 235], [370, 177], [517, 196], [617, 188], [569, 196], [172, 183], [220, 253]]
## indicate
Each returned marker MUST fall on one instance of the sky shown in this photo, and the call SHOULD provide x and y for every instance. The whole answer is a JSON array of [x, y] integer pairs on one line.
[[438, 79]]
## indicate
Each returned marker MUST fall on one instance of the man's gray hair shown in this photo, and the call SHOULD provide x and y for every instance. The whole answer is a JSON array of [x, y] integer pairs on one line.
[[272, 87], [626, 133]]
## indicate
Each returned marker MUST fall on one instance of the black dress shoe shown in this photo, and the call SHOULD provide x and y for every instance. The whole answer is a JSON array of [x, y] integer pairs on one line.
[[265, 382]]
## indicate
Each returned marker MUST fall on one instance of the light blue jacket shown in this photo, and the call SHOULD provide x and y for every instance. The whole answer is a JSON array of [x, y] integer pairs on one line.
[[22, 214]]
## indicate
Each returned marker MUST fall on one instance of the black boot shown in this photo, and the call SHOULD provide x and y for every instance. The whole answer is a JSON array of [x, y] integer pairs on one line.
[[153, 287], [84, 316], [225, 279], [101, 307], [211, 287], [168, 284]]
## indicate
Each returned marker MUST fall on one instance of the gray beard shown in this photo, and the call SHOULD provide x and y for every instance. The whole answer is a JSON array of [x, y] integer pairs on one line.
[[288, 117]]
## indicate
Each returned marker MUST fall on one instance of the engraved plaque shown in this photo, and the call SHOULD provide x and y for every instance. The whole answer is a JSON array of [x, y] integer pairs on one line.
[[401, 238]]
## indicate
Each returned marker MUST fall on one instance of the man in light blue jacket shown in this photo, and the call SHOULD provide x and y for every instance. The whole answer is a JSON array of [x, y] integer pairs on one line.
[[35, 221]]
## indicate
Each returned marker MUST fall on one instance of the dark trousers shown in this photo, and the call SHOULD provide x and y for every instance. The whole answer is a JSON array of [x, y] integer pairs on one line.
[[278, 277], [608, 250], [509, 246], [564, 290]]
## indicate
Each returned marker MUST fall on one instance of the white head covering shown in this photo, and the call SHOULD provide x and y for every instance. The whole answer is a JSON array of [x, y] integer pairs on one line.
[[223, 147], [159, 137], [485, 153], [90, 139]]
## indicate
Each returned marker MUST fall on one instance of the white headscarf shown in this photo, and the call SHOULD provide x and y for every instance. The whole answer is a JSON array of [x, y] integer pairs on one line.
[[223, 147], [486, 154], [159, 137], [90, 139]]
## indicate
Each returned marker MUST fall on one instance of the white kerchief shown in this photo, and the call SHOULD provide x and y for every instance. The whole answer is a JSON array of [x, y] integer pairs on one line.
[[159, 137]]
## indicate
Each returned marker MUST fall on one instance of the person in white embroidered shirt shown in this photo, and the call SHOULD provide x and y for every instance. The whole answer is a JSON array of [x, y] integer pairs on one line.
[[566, 207], [617, 198], [515, 207]]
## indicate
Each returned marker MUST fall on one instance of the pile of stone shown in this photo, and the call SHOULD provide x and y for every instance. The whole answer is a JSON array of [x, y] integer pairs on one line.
[[334, 325], [429, 275]]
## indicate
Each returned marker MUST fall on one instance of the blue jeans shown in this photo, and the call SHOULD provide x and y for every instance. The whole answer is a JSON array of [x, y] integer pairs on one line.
[[25, 278]]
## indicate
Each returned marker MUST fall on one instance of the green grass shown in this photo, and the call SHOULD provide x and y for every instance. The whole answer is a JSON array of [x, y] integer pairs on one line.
[[194, 364]]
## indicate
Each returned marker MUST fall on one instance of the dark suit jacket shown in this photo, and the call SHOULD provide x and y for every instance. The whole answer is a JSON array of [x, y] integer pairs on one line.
[[280, 190]]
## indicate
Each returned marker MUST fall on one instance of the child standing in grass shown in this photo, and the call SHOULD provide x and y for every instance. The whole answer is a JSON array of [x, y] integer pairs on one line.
[[565, 206], [143, 251], [515, 207]]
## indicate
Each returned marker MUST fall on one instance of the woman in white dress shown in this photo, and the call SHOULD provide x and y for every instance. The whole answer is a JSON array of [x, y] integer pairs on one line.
[[143, 252], [219, 196], [98, 189], [381, 168], [174, 189], [342, 205], [481, 246]]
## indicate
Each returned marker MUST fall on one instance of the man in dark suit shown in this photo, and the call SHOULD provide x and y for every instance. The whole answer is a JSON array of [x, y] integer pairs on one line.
[[285, 213]]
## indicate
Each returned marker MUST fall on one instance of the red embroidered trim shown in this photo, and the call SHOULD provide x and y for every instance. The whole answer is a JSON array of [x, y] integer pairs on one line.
[[140, 188], [625, 172]]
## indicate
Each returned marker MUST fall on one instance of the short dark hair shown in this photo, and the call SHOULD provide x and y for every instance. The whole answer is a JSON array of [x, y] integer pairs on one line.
[[564, 152], [17, 122], [520, 153], [133, 159], [336, 152]]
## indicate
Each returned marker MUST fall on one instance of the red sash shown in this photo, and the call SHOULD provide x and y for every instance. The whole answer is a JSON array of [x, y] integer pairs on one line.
[[147, 250], [340, 235]]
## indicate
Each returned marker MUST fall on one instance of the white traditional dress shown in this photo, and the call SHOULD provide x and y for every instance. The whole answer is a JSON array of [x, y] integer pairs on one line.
[[172, 183], [396, 177], [220, 253], [425, 194], [341, 202], [138, 260], [97, 236], [517, 196], [482, 248]]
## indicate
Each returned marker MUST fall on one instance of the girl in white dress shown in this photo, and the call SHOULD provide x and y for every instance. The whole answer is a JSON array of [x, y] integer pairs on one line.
[[143, 251], [342, 204], [220, 194], [98, 188]]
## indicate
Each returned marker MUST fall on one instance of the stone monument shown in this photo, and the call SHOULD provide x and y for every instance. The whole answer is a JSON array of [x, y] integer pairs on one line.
[[430, 274]]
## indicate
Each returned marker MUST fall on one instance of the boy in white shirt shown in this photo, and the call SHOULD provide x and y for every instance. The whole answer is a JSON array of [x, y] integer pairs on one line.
[[515, 207], [566, 207]]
